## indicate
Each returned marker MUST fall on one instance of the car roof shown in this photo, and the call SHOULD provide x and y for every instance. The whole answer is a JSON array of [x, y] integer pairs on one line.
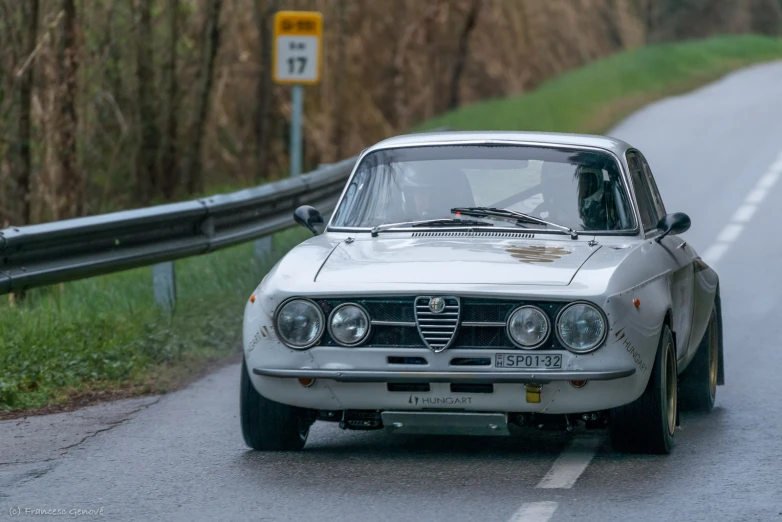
[[614, 145]]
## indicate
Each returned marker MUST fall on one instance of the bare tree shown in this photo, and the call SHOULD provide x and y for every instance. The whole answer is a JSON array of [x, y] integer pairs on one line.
[[25, 79], [195, 181], [149, 132], [613, 24], [766, 16], [10, 45], [169, 167], [113, 49], [337, 116], [265, 88], [399, 67], [70, 181], [461, 53]]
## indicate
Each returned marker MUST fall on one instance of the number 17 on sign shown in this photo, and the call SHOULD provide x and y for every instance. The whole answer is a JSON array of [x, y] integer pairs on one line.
[[297, 59]]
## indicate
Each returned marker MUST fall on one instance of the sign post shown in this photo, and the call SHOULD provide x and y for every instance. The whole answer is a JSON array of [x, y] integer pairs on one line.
[[297, 61]]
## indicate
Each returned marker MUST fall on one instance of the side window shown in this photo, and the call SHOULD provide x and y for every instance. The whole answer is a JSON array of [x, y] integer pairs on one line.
[[642, 195], [657, 201]]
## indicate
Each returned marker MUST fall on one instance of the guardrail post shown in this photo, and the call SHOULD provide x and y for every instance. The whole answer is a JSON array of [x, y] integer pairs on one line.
[[262, 249], [164, 282]]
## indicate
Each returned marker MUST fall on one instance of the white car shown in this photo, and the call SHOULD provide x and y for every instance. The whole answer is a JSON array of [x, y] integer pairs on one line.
[[471, 282]]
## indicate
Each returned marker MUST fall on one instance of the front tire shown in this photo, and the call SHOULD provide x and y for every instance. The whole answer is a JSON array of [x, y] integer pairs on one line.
[[269, 425], [700, 379], [648, 424]]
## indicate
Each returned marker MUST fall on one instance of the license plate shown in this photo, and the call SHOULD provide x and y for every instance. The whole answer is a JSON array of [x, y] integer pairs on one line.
[[528, 360]]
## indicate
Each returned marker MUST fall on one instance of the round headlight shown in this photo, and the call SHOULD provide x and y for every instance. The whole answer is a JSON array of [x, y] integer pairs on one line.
[[349, 324], [300, 323], [528, 327], [581, 327]]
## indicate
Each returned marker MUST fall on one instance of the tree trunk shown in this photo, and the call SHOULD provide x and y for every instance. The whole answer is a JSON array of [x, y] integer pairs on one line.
[[263, 16], [11, 51], [115, 61], [25, 99], [169, 169], [461, 53], [195, 182], [400, 67], [766, 17], [612, 24], [69, 182], [149, 138], [337, 116]]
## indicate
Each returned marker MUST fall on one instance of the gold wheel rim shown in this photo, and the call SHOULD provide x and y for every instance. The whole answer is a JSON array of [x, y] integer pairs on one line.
[[713, 356], [670, 389]]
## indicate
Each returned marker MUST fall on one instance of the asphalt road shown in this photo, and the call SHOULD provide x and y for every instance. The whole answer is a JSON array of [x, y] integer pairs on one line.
[[714, 153]]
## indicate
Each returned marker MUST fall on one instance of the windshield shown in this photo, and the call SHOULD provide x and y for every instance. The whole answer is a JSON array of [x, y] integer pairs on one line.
[[578, 189]]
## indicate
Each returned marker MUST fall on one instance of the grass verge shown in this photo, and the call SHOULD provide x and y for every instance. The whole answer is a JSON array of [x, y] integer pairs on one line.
[[103, 337]]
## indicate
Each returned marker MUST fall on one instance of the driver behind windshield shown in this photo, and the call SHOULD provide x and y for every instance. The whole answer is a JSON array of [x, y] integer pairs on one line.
[[591, 198]]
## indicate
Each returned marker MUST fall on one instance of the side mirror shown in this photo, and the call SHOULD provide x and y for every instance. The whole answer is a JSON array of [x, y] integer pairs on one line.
[[676, 223], [308, 217]]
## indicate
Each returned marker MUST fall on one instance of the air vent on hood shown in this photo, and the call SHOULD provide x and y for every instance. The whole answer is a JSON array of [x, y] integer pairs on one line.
[[474, 234]]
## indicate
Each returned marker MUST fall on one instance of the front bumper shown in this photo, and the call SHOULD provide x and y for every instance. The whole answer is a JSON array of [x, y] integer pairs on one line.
[[367, 376], [363, 379]]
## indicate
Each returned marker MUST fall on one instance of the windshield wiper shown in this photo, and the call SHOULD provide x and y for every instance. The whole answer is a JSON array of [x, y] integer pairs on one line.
[[446, 222], [518, 217]]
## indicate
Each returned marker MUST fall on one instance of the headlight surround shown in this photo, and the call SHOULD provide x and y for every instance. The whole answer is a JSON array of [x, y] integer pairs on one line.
[[300, 323], [349, 324], [581, 327], [528, 327]]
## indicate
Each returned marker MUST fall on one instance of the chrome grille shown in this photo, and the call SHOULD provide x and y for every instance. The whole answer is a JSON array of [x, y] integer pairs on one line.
[[481, 322], [437, 329]]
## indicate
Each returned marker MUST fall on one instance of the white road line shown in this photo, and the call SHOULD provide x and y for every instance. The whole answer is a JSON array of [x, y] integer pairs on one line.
[[757, 195], [744, 213], [715, 252], [730, 233], [570, 464], [534, 512], [769, 179]]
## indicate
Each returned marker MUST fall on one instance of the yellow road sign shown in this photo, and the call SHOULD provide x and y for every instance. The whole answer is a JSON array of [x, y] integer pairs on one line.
[[297, 47]]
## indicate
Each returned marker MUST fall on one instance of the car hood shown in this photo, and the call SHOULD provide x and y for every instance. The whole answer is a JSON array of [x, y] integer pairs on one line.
[[455, 260]]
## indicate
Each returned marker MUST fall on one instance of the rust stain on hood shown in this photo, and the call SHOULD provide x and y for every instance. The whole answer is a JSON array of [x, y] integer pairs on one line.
[[537, 254]]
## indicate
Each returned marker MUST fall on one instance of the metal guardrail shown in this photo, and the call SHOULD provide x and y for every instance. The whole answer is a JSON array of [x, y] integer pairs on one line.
[[39, 255]]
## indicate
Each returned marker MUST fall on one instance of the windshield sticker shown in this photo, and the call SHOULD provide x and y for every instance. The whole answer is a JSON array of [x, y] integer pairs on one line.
[[537, 254]]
